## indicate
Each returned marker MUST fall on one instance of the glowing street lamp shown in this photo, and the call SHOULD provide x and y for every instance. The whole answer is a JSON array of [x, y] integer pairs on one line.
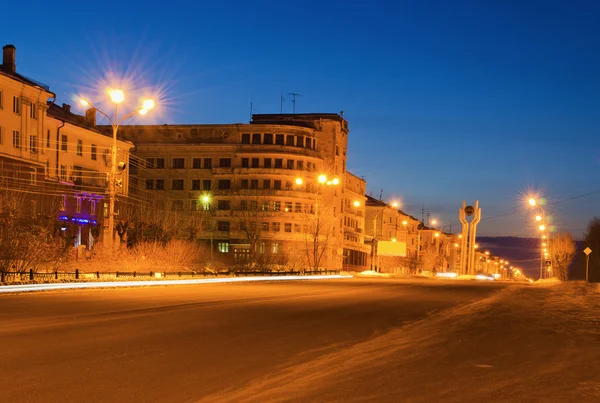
[[395, 204], [538, 218], [404, 222], [542, 227], [117, 96], [356, 203], [299, 181], [322, 178]]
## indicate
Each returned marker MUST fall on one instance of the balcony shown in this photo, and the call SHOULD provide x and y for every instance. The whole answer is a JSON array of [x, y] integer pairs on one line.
[[277, 149]]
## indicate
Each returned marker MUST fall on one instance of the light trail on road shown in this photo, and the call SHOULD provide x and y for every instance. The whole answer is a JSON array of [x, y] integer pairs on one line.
[[148, 283]]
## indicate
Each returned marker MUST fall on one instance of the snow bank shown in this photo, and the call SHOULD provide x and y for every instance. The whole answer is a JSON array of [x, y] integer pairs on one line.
[[547, 281], [371, 273]]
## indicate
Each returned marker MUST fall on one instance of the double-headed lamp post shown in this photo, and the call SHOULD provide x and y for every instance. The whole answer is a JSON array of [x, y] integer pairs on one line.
[[117, 96]]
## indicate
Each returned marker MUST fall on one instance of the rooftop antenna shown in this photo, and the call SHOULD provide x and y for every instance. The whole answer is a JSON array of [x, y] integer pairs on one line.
[[381, 195], [293, 94], [251, 108], [281, 100], [342, 113]]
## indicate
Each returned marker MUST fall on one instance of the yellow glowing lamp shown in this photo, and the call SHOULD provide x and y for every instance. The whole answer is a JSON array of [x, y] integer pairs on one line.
[[299, 181], [116, 96], [356, 203], [322, 178]]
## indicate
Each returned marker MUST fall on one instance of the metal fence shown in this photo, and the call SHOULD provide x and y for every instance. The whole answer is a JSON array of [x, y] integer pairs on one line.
[[31, 276]]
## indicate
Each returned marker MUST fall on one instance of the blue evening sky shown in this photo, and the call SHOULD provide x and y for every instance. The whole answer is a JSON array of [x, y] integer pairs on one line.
[[446, 100]]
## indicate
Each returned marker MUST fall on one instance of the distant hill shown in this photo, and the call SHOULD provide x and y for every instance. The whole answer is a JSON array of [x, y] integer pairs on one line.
[[521, 252]]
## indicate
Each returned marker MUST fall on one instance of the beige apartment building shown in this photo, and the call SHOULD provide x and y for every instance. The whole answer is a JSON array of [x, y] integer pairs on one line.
[[356, 252], [49, 153], [271, 190]]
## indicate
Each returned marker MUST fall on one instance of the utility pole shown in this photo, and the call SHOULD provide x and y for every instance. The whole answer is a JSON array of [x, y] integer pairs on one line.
[[423, 214], [587, 252], [293, 94]]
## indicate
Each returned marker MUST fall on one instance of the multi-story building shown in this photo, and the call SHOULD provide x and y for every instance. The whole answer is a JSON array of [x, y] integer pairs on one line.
[[356, 252], [52, 155], [271, 189]]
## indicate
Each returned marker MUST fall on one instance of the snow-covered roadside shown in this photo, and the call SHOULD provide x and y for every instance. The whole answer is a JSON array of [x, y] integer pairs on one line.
[[523, 343]]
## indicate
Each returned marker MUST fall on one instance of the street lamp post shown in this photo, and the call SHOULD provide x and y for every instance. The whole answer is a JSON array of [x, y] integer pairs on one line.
[[542, 228], [117, 96]]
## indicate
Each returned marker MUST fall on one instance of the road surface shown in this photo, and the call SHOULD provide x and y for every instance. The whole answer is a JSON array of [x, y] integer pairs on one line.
[[338, 340]]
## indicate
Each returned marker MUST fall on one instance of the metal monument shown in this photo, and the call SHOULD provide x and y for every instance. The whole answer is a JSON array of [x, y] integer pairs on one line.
[[468, 236]]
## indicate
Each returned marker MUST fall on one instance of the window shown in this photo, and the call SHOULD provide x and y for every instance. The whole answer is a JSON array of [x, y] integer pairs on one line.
[[94, 150], [276, 248], [290, 164], [177, 205], [279, 139], [267, 184], [276, 227], [224, 184], [255, 138], [299, 141], [63, 205], [16, 139], [63, 142], [33, 112], [149, 184], [300, 165], [223, 225], [298, 208], [277, 206], [337, 150], [243, 205], [264, 226], [223, 205], [253, 205], [178, 163], [254, 184], [278, 163], [206, 185], [196, 184], [223, 246], [266, 206], [160, 184], [149, 163], [207, 163], [160, 163], [309, 166], [261, 246], [78, 205], [268, 138], [288, 227], [277, 184], [267, 163], [289, 141], [48, 140], [308, 142], [243, 226], [297, 228], [288, 207], [16, 105], [33, 143], [255, 162], [245, 138], [63, 172], [244, 184], [93, 207], [196, 163], [196, 204], [288, 185], [1, 135], [79, 147], [177, 184], [224, 162], [245, 162]]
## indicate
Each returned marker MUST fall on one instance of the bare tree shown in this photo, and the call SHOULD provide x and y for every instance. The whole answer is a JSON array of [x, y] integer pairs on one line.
[[321, 227], [562, 251], [253, 209], [428, 260]]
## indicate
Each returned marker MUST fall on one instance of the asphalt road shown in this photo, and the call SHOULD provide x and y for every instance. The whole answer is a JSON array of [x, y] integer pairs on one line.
[[337, 340]]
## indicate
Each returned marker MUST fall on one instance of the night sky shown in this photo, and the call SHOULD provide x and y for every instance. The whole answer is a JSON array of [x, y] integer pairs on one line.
[[446, 100]]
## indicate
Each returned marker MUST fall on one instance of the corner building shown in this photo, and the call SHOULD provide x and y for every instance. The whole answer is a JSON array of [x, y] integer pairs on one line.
[[255, 187]]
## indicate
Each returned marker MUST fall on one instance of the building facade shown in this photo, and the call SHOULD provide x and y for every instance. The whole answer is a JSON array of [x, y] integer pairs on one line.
[[56, 159], [271, 190], [357, 254]]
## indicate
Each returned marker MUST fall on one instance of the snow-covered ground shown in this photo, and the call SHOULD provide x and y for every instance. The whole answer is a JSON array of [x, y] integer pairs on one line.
[[522, 344]]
